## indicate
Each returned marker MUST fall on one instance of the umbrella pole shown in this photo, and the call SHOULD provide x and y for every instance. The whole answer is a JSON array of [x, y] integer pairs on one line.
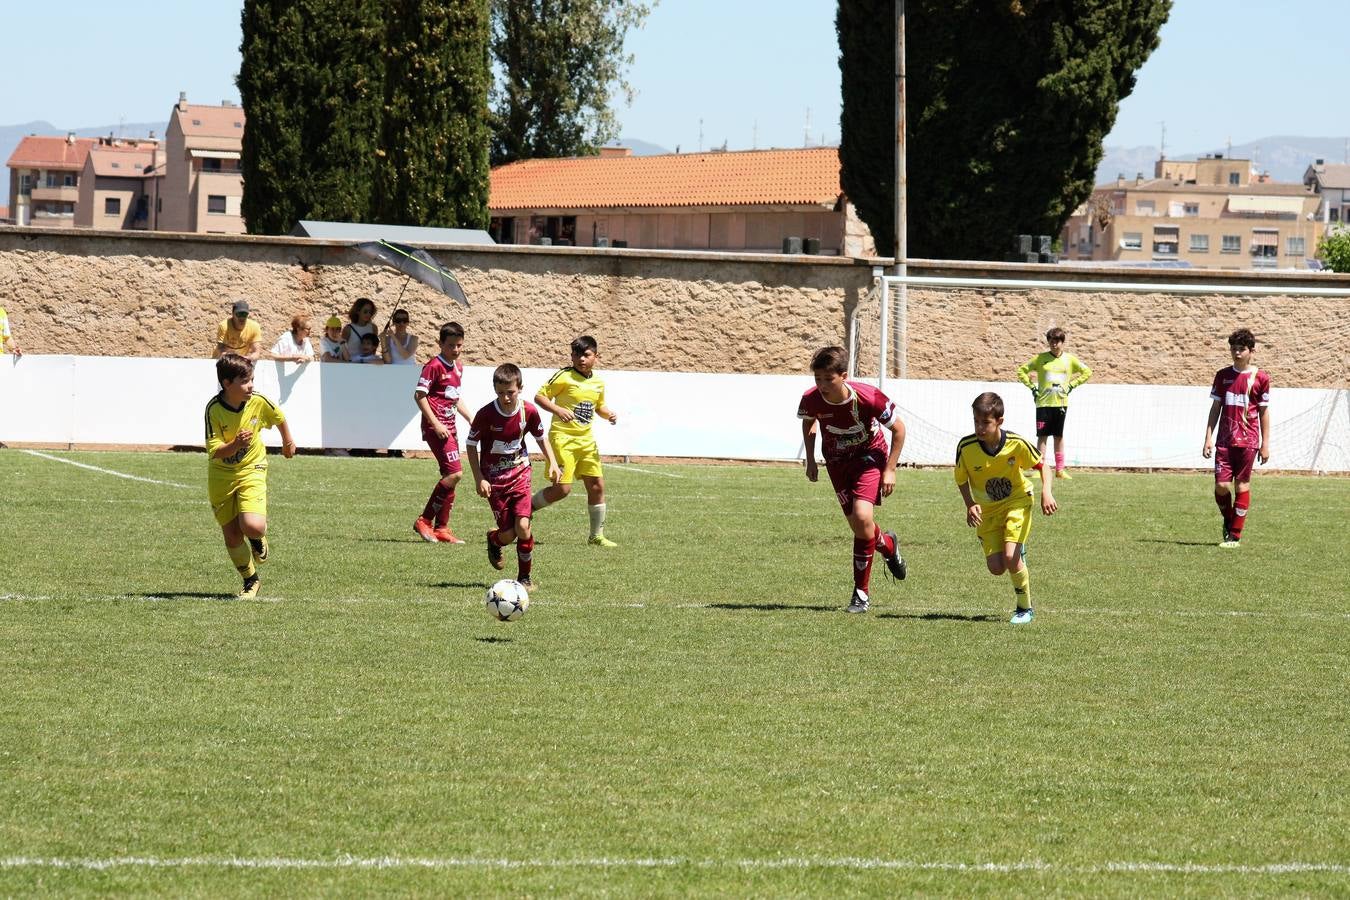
[[400, 293]]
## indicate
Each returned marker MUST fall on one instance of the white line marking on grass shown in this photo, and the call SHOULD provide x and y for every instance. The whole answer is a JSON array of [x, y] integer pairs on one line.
[[644, 471], [413, 862], [71, 462]]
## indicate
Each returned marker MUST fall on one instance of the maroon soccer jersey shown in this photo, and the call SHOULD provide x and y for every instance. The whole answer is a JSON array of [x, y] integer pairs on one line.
[[848, 429], [440, 381], [1243, 394], [501, 440]]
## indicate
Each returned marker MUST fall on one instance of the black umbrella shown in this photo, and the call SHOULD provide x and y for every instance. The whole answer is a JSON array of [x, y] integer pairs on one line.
[[417, 264]]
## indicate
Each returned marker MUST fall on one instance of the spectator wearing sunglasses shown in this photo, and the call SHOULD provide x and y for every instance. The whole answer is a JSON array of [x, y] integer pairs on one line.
[[400, 347], [239, 334]]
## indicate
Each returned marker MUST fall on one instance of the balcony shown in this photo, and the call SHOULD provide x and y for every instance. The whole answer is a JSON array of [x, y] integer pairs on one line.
[[65, 194]]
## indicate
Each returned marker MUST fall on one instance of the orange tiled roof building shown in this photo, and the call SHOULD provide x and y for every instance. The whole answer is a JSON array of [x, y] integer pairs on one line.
[[45, 174], [742, 201]]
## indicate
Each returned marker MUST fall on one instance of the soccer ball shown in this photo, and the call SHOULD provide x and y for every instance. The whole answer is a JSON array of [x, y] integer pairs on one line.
[[507, 600]]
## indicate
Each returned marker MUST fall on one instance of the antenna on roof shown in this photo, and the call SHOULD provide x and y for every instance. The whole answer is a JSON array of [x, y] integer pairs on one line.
[[700, 135], [806, 132], [754, 136], [1162, 142]]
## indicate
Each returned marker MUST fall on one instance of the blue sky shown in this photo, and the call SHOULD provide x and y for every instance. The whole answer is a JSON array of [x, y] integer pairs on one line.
[[749, 69]]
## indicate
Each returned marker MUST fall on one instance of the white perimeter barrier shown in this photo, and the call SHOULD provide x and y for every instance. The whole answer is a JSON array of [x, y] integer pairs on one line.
[[116, 400]]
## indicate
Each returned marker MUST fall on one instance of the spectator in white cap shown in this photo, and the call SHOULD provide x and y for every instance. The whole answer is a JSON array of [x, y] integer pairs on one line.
[[239, 334]]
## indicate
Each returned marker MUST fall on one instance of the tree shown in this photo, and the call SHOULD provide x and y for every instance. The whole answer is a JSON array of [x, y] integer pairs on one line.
[[560, 63], [433, 157], [1334, 248], [1007, 105]]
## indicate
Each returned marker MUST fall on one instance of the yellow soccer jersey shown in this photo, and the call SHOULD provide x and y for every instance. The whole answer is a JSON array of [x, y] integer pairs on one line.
[[574, 391], [223, 423], [997, 481], [1055, 377]]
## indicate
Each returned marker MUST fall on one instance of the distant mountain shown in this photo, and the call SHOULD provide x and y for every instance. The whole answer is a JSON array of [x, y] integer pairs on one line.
[[10, 135], [1284, 157]]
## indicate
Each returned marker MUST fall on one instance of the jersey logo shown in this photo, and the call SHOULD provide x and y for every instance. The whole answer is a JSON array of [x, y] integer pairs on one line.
[[1233, 399], [506, 448], [998, 488], [583, 412], [855, 429]]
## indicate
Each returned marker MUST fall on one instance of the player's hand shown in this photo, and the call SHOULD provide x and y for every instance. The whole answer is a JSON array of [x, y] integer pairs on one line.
[[613, 418], [812, 471], [241, 438], [288, 449], [565, 414], [887, 482], [441, 430], [1264, 455], [973, 517], [1048, 504], [484, 489], [554, 474], [1209, 448]]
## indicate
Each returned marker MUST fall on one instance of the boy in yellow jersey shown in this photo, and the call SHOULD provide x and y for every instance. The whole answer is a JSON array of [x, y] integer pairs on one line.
[[998, 495], [575, 396], [1056, 373], [7, 342], [237, 460]]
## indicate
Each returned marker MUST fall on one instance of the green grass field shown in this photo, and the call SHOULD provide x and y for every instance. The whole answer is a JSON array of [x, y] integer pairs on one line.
[[690, 714]]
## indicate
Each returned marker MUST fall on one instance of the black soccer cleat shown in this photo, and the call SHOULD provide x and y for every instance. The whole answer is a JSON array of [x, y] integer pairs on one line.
[[495, 553], [895, 564], [259, 547]]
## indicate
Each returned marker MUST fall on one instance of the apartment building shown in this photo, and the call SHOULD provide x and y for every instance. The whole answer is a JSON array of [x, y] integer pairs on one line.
[[1331, 183], [46, 174], [117, 189], [202, 187], [747, 201], [1208, 213]]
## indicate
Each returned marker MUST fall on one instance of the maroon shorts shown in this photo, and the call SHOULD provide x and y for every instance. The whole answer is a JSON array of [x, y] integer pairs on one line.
[[510, 498], [857, 479], [1234, 464], [446, 451]]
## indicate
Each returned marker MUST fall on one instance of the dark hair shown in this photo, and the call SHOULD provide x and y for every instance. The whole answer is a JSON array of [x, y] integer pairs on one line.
[[400, 312], [1055, 334], [371, 338], [231, 366], [451, 330], [299, 321], [581, 344], [507, 373], [356, 308], [830, 359], [988, 404], [1243, 337]]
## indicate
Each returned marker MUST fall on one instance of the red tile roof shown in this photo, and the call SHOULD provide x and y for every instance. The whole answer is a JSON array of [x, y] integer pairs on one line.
[[807, 177], [120, 162], [37, 152], [211, 121]]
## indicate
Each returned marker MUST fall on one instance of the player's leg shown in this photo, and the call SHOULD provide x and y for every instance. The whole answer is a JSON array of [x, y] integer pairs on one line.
[[1243, 459], [1016, 530], [567, 464], [433, 525], [250, 503], [1223, 495], [595, 504], [254, 528], [862, 522], [524, 544], [1061, 468], [1042, 438], [504, 533]]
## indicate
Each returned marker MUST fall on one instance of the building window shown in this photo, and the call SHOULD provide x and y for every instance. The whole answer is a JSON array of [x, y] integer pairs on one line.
[[112, 206], [1166, 242], [210, 165], [68, 181], [1233, 178], [215, 203], [26, 186], [1335, 214], [1232, 243], [1191, 209], [1294, 246], [1133, 240], [1144, 207], [1199, 243]]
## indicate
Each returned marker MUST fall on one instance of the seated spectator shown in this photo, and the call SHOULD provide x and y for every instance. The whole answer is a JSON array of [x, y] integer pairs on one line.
[[7, 342], [361, 322], [370, 351], [239, 335], [294, 345], [400, 347], [331, 346]]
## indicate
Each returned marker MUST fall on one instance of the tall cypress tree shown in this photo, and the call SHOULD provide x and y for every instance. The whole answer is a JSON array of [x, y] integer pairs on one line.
[[1007, 105], [434, 137]]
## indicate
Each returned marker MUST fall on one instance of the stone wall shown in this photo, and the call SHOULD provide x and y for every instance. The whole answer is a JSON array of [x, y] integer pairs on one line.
[[134, 294]]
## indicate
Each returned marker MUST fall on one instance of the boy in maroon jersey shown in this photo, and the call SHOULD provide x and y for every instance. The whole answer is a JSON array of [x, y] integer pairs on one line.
[[502, 474], [1241, 396], [437, 396], [861, 468]]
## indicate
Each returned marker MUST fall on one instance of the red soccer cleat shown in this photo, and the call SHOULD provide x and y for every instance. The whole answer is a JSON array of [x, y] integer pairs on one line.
[[424, 530], [444, 536]]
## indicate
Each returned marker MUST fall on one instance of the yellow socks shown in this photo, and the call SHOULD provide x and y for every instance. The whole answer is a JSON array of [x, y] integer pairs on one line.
[[1021, 580], [242, 557]]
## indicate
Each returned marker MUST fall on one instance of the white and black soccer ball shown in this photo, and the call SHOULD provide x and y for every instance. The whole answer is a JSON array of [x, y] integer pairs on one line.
[[507, 600]]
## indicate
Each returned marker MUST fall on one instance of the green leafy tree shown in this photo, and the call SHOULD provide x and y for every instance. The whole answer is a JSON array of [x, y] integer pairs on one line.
[[1334, 249], [435, 135], [1008, 102], [560, 64]]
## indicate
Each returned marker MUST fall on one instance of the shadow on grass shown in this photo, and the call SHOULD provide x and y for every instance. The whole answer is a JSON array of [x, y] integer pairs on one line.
[[183, 595], [459, 584], [940, 617], [1177, 543], [492, 640], [772, 607]]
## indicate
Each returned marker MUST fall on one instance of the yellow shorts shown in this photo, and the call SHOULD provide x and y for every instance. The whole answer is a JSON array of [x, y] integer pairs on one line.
[[1010, 526], [576, 456], [245, 492]]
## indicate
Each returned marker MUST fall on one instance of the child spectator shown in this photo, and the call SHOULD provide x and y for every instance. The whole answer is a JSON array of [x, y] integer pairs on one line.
[[294, 345], [998, 495], [1056, 373], [237, 464], [331, 346], [400, 347], [574, 396], [361, 322], [369, 352], [238, 334], [438, 399], [503, 475], [861, 468], [1241, 409], [7, 342]]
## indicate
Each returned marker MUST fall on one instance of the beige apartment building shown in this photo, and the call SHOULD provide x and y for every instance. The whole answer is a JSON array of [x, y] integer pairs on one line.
[[202, 185], [1213, 213], [1331, 183], [117, 189], [46, 174]]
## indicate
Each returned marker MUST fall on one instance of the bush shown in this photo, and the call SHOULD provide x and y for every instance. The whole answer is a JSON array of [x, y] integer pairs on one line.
[[1334, 249]]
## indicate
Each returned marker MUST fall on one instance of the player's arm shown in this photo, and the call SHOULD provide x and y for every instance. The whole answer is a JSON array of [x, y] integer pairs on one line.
[[562, 413], [607, 414], [471, 451], [287, 442], [809, 442], [1214, 409], [254, 350], [1264, 415], [1079, 373], [973, 517], [1024, 374], [897, 427], [1048, 504], [229, 448], [463, 409]]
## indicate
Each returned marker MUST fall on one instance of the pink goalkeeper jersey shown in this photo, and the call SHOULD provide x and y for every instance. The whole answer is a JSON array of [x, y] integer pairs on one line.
[[848, 429], [440, 381], [1243, 394], [501, 438]]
